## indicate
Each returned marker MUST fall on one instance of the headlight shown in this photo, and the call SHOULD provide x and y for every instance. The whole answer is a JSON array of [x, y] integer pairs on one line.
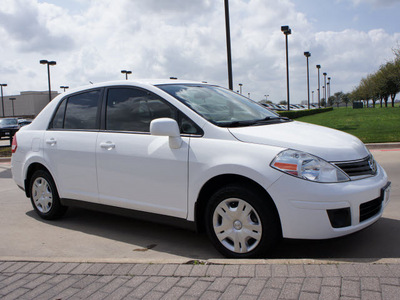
[[307, 166]]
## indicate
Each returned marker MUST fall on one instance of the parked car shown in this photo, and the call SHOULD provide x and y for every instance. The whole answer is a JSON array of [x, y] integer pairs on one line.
[[24, 122], [8, 127], [200, 156]]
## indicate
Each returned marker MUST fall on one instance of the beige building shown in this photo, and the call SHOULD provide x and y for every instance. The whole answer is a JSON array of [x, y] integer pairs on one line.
[[27, 104]]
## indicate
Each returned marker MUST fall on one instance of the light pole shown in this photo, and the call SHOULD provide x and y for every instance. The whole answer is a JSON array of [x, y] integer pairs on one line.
[[266, 97], [2, 100], [329, 87], [64, 87], [248, 95], [325, 87], [286, 31], [48, 63], [319, 95], [228, 45], [126, 73], [240, 88], [12, 99], [307, 55], [312, 92]]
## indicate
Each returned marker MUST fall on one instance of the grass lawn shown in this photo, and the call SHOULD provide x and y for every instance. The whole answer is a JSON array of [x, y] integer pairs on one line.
[[371, 125], [4, 152]]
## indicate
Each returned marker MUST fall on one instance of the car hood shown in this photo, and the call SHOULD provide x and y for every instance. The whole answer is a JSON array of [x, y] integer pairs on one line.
[[329, 144]]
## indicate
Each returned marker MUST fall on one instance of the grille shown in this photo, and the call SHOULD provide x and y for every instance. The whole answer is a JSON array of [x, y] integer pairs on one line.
[[361, 167], [370, 209]]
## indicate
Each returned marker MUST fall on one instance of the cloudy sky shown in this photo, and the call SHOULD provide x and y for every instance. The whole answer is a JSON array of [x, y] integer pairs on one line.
[[94, 40]]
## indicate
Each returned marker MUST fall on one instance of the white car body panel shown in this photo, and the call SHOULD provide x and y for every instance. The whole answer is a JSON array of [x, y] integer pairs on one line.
[[142, 172], [329, 144]]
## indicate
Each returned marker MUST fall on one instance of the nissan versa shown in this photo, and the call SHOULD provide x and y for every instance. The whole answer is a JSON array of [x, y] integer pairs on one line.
[[201, 156]]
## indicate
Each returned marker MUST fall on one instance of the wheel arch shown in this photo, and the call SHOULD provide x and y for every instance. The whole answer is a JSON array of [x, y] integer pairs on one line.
[[29, 173], [215, 183]]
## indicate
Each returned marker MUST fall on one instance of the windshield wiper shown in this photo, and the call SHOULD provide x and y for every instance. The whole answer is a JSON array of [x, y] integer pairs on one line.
[[266, 120], [271, 119]]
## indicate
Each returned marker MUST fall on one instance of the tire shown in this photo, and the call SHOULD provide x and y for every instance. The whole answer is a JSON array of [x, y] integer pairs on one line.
[[241, 223], [44, 196]]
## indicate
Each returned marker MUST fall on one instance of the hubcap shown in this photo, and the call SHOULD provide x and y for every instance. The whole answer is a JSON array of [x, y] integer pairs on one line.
[[237, 225], [42, 195]]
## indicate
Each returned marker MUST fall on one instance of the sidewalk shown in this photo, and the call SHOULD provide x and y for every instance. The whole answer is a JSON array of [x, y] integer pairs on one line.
[[45, 280]]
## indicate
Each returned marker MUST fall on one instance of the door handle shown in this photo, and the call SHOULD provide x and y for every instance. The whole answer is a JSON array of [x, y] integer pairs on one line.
[[51, 142], [107, 145]]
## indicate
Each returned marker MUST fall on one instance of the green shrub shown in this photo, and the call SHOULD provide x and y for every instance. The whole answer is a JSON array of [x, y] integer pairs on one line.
[[294, 114]]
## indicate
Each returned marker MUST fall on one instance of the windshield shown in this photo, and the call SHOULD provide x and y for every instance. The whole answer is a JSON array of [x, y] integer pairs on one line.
[[220, 106], [5, 122]]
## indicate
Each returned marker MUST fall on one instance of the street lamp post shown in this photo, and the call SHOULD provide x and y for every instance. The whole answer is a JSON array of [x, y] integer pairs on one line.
[[12, 99], [2, 100], [240, 88], [286, 31], [64, 87], [319, 95], [126, 73], [329, 87], [228, 45], [326, 100], [307, 55], [312, 93], [266, 97], [48, 63]]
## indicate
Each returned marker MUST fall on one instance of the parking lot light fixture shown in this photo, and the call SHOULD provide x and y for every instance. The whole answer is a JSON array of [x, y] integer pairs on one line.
[[2, 100], [64, 87], [126, 73], [12, 99], [48, 63], [307, 55], [287, 31], [329, 87], [319, 94], [240, 88], [325, 85]]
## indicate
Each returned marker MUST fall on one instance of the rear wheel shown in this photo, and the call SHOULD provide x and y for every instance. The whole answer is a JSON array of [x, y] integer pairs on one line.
[[241, 223], [44, 196]]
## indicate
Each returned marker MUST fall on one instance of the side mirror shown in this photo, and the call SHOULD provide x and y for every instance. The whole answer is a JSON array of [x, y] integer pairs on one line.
[[167, 127]]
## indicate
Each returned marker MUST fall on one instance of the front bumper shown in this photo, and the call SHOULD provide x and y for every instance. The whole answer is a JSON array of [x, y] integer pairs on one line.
[[306, 208]]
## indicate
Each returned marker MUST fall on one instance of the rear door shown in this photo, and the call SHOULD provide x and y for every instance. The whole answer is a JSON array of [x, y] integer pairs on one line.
[[70, 146]]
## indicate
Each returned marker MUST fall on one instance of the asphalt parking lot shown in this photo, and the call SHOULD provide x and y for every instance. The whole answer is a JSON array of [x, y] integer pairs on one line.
[[93, 236]]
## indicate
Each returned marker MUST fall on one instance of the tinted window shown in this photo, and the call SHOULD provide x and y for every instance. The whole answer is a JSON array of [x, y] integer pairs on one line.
[[81, 111], [131, 109], [58, 121]]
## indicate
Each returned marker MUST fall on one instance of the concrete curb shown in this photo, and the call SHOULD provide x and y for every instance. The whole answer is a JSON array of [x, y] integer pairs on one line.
[[211, 261], [376, 146]]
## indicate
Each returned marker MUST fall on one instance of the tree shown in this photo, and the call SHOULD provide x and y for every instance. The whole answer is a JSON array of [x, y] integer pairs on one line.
[[331, 100], [338, 98], [346, 99], [283, 102]]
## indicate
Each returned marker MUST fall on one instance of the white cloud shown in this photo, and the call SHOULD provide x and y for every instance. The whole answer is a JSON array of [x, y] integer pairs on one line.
[[180, 38]]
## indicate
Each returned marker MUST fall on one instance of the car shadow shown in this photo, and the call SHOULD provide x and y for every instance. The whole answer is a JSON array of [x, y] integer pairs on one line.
[[381, 240], [142, 235], [6, 173]]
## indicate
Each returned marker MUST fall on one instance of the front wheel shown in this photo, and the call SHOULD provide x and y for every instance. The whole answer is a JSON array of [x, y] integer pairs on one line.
[[241, 223], [44, 196]]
